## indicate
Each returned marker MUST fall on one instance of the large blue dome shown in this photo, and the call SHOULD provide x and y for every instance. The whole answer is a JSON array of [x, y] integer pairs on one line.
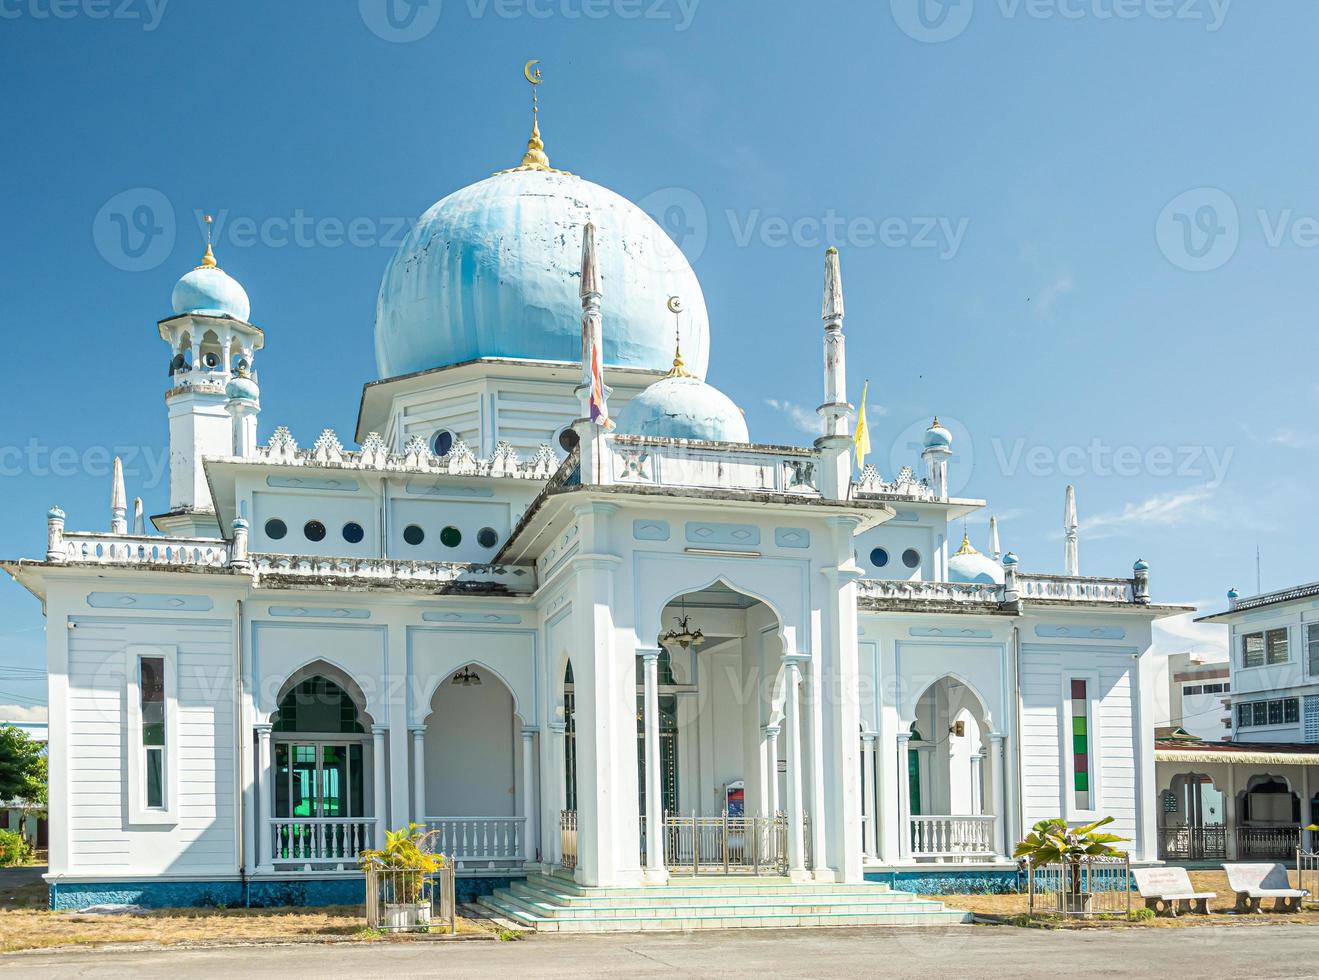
[[683, 407], [493, 270], [210, 291]]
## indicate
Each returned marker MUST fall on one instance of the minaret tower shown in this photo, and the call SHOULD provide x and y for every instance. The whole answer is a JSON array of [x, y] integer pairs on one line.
[[994, 549], [835, 444], [1071, 560], [210, 342]]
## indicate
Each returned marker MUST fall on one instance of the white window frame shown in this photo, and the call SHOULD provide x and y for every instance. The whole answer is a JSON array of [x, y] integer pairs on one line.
[[1311, 637], [1071, 812], [1263, 633], [135, 787]]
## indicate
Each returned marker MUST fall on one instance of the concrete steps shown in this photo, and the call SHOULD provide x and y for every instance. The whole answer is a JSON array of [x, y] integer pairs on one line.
[[554, 904]]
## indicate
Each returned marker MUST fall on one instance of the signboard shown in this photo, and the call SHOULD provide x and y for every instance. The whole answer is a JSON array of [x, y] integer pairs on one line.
[[1170, 802], [735, 799]]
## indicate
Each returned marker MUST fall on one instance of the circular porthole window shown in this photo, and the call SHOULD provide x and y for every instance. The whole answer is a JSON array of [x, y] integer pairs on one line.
[[276, 529], [911, 558], [353, 533], [442, 442], [314, 530], [413, 534], [487, 537], [879, 557], [568, 440], [451, 537]]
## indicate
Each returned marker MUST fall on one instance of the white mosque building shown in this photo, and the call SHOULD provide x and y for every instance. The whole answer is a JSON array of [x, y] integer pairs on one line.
[[593, 656]]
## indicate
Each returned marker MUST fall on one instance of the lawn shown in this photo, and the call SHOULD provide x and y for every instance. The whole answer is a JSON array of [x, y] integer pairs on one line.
[[26, 923], [1005, 907]]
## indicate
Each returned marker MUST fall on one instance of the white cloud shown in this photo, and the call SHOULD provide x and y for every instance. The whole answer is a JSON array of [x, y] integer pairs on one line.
[[14, 713], [1164, 509], [1046, 298], [802, 418], [1295, 439]]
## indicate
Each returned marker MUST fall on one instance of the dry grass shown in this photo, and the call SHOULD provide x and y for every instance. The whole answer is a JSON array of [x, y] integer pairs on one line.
[[25, 923], [1221, 908]]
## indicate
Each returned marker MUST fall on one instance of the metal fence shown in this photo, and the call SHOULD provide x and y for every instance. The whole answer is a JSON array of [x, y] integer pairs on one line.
[[1088, 886], [568, 839], [1278, 843], [1307, 872], [411, 901], [1205, 843]]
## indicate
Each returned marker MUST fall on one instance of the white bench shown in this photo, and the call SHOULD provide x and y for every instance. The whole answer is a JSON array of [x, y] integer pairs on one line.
[[1255, 882], [1169, 890]]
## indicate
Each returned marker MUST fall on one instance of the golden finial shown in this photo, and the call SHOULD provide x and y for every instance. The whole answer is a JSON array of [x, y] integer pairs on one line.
[[208, 260], [966, 548], [535, 158], [679, 369]]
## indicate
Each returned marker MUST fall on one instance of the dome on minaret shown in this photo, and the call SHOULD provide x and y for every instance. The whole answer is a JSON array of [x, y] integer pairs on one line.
[[493, 270], [969, 565], [683, 407], [210, 291]]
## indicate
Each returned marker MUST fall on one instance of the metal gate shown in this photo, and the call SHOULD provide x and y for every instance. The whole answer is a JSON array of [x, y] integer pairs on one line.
[[727, 845]]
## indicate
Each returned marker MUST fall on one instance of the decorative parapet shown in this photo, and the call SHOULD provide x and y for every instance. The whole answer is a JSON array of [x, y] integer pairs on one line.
[[416, 457], [713, 466], [91, 548], [1066, 587], [268, 569], [870, 483], [969, 593]]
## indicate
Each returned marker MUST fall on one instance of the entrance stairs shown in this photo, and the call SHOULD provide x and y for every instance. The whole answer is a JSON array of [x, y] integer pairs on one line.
[[558, 904]]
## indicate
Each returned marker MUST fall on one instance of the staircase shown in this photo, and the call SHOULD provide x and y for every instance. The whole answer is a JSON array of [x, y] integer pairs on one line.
[[558, 904]]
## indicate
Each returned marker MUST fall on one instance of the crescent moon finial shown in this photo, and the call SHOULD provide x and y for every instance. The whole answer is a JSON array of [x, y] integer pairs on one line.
[[533, 77], [675, 304]]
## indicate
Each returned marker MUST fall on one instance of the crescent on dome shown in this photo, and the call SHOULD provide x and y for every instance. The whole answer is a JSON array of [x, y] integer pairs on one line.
[[533, 77]]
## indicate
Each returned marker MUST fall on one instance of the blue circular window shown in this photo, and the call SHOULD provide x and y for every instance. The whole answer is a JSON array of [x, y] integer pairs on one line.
[[911, 558], [879, 557], [353, 533], [487, 537], [451, 537], [413, 535], [442, 442], [276, 529], [314, 530]]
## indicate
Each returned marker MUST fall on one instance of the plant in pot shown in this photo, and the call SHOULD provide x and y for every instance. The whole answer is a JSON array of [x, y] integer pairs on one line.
[[403, 867], [1053, 842]]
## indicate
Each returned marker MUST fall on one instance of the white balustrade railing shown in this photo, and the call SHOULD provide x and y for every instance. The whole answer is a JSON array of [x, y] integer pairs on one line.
[[959, 592], [476, 841], [713, 466], [1079, 589], [952, 836], [323, 841], [91, 548]]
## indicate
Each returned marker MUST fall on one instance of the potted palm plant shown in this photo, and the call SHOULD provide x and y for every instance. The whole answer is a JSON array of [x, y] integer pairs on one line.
[[1053, 842], [402, 867]]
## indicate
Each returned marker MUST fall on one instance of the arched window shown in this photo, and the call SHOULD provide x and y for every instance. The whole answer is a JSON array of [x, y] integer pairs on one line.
[[318, 705]]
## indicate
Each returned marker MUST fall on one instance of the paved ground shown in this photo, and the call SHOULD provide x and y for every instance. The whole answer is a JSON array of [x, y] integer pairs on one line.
[[961, 951]]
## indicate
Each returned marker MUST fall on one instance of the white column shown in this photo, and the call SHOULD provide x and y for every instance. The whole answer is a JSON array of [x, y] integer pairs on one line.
[[868, 794], [559, 796], [529, 793], [655, 869], [1230, 812], [792, 717], [998, 774], [419, 775], [904, 797], [265, 800], [378, 781], [772, 780]]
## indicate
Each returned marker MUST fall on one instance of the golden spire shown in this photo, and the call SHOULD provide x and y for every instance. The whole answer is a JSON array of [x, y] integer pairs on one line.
[[679, 369], [535, 158], [208, 260], [966, 548]]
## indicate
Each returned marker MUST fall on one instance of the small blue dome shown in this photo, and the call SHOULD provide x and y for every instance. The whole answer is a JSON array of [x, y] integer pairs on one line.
[[682, 407], [1141, 565], [937, 437], [969, 565], [210, 291], [241, 386], [494, 270], [1233, 594], [1010, 559]]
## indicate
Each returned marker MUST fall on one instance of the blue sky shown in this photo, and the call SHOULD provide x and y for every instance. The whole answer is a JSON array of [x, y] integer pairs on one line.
[[1081, 231]]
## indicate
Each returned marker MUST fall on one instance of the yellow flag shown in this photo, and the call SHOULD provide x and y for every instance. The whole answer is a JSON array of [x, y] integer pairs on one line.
[[862, 438]]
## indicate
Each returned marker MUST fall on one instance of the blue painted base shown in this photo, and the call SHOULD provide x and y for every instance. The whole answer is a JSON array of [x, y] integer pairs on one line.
[[256, 894], [960, 881]]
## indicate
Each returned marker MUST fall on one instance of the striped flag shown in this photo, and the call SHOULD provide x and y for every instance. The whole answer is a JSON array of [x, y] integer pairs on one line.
[[599, 409], [862, 437]]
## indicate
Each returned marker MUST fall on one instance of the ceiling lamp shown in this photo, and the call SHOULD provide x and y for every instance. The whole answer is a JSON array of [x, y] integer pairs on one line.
[[684, 635], [467, 678]]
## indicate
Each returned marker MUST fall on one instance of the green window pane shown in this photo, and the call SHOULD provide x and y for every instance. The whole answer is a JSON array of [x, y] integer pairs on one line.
[[1080, 744], [1080, 726], [1082, 783]]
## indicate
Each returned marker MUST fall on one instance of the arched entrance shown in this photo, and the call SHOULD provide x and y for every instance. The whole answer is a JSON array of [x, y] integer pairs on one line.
[[1192, 819], [950, 810], [322, 772], [474, 793], [1268, 818]]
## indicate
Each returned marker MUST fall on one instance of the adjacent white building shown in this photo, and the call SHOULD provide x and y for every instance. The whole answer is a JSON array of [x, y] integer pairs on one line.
[[1200, 696], [499, 617]]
